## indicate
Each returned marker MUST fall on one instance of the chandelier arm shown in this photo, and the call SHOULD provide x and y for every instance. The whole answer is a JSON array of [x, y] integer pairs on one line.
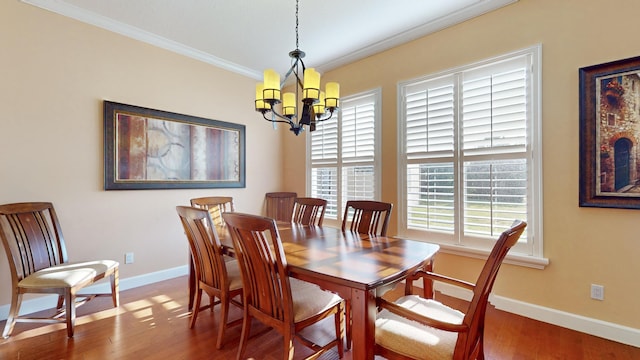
[[300, 83], [296, 54], [286, 76], [318, 118], [285, 119]]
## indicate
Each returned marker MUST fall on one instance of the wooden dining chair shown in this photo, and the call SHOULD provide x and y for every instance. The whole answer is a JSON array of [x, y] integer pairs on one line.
[[33, 241], [279, 205], [367, 217], [218, 278], [286, 304], [414, 327], [216, 205], [309, 211]]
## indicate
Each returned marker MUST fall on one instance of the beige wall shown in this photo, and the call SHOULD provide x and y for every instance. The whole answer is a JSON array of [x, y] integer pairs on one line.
[[584, 245], [55, 74]]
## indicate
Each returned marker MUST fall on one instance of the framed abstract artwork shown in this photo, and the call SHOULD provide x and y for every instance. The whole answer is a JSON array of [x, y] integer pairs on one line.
[[610, 134], [153, 149]]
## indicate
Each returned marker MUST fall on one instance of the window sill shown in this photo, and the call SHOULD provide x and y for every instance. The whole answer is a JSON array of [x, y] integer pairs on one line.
[[512, 258]]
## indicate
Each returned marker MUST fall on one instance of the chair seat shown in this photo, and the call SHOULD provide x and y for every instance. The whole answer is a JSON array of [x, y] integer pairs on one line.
[[413, 339], [309, 299], [67, 275], [234, 275]]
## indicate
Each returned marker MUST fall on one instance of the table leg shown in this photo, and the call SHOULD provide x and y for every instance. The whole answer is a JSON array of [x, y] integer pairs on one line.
[[363, 315], [427, 285]]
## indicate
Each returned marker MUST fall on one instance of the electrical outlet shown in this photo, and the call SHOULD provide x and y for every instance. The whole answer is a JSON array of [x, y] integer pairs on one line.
[[597, 292], [128, 258]]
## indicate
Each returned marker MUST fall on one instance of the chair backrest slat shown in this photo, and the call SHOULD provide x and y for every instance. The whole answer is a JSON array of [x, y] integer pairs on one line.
[[31, 237], [279, 205], [367, 217], [216, 205], [309, 211]]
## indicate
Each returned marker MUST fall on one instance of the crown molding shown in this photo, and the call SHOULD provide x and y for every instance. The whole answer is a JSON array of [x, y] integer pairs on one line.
[[77, 13]]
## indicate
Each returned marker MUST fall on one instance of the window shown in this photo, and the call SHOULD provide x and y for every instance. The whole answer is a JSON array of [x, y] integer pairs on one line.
[[470, 154], [345, 156]]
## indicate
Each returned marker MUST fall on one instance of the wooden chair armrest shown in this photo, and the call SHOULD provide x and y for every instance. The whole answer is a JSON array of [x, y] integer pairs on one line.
[[408, 314], [421, 274]]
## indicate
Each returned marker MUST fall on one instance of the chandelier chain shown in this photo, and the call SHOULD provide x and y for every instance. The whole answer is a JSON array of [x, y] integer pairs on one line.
[[297, 45]]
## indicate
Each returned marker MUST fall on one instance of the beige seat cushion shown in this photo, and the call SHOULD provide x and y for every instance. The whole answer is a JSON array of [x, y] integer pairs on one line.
[[234, 275], [67, 275], [309, 299], [414, 339]]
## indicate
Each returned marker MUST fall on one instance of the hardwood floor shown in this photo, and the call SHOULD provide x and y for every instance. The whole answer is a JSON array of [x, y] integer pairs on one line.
[[152, 323]]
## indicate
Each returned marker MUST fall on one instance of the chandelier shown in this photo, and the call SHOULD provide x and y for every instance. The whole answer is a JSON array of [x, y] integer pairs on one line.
[[317, 105]]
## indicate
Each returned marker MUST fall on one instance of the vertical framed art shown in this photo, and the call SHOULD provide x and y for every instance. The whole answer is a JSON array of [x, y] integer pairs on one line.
[[610, 134]]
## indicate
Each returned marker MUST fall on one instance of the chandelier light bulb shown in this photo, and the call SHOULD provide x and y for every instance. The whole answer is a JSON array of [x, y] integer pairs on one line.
[[289, 104], [319, 107], [333, 94], [311, 84], [260, 103], [271, 85]]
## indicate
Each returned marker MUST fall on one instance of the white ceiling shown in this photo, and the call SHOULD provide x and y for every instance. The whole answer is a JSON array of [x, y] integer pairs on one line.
[[248, 36]]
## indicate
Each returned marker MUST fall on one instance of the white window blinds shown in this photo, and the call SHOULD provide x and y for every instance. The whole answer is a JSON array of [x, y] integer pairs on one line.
[[494, 108], [343, 154], [429, 111], [469, 167]]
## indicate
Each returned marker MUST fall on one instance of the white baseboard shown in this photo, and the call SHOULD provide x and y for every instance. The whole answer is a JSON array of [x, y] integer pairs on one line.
[[603, 329], [40, 302]]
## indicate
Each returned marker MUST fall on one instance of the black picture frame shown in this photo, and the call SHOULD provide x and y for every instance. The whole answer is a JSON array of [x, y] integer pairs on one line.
[[154, 149], [610, 134]]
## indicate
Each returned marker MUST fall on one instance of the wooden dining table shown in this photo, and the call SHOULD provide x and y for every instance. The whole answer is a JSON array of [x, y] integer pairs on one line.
[[358, 267]]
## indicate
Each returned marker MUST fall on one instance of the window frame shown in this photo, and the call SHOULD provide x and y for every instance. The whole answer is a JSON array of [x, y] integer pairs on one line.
[[533, 254], [376, 95]]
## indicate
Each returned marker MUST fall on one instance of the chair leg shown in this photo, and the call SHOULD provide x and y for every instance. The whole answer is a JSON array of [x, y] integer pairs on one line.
[[115, 287], [70, 299], [339, 323], [481, 348], [196, 308], [193, 283], [224, 314], [288, 346], [16, 301], [427, 285], [244, 336]]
